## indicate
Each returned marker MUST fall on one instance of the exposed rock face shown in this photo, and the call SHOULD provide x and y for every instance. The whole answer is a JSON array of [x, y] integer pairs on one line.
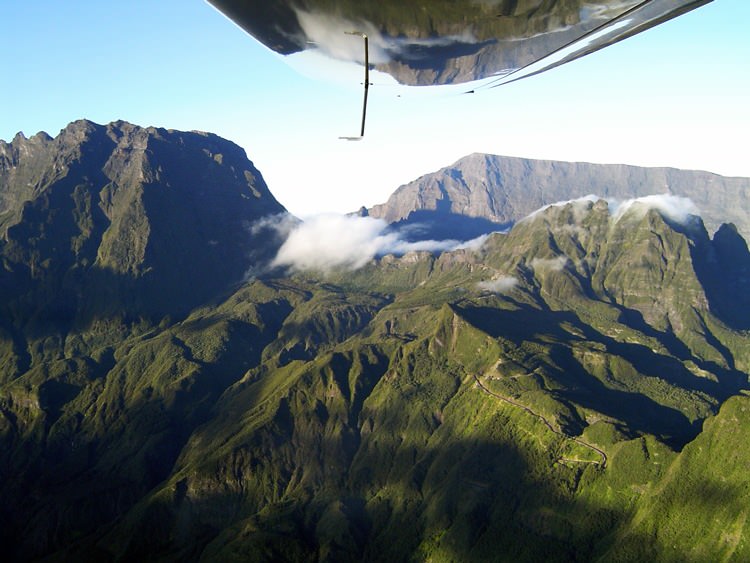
[[505, 189], [104, 216]]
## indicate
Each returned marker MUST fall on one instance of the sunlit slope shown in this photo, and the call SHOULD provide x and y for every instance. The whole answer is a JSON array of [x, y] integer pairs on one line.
[[537, 399], [699, 510]]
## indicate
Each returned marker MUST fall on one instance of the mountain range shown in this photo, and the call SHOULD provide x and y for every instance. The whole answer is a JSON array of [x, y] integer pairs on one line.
[[573, 389], [482, 192]]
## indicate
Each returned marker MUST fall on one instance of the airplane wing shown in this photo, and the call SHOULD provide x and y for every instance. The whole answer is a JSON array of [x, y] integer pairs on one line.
[[437, 42]]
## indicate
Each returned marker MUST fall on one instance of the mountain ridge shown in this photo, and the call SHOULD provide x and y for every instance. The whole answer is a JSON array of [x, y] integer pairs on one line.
[[128, 210], [503, 190]]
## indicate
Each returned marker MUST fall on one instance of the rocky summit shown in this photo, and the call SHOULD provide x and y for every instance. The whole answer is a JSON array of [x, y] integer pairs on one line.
[[574, 389], [106, 219]]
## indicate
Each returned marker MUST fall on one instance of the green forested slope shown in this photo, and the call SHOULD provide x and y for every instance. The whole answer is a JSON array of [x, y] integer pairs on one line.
[[573, 390]]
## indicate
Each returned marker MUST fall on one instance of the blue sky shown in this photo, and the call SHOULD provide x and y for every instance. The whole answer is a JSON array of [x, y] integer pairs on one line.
[[676, 95]]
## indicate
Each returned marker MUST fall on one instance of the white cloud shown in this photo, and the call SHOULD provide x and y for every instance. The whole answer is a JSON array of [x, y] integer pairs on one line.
[[503, 284], [331, 241], [473, 244], [281, 223], [676, 208], [579, 204], [551, 264]]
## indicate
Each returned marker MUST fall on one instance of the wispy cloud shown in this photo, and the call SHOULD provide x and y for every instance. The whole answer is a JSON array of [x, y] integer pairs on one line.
[[676, 208], [579, 204], [549, 264], [502, 284], [280, 223], [473, 244], [331, 241]]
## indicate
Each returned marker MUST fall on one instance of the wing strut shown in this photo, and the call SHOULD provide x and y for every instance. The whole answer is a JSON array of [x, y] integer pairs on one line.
[[367, 85]]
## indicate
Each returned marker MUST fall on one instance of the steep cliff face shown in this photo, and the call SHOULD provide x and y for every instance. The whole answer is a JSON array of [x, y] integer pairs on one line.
[[106, 216], [503, 190]]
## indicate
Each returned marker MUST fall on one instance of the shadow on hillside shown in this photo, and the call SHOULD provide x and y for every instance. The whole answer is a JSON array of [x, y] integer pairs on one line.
[[642, 408], [666, 530], [442, 224], [725, 276], [472, 500], [93, 458], [346, 462], [84, 297]]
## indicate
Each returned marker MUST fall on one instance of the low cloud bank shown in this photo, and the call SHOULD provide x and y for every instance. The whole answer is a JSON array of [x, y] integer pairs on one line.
[[330, 241], [280, 224]]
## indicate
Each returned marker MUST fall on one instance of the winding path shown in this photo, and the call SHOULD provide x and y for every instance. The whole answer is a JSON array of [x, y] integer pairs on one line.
[[602, 463]]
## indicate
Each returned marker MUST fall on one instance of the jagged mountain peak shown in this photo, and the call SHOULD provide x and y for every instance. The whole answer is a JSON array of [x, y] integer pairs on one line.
[[40, 137], [81, 126], [164, 215]]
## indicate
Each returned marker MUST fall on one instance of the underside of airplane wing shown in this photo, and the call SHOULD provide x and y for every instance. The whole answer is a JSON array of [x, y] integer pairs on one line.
[[437, 42]]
